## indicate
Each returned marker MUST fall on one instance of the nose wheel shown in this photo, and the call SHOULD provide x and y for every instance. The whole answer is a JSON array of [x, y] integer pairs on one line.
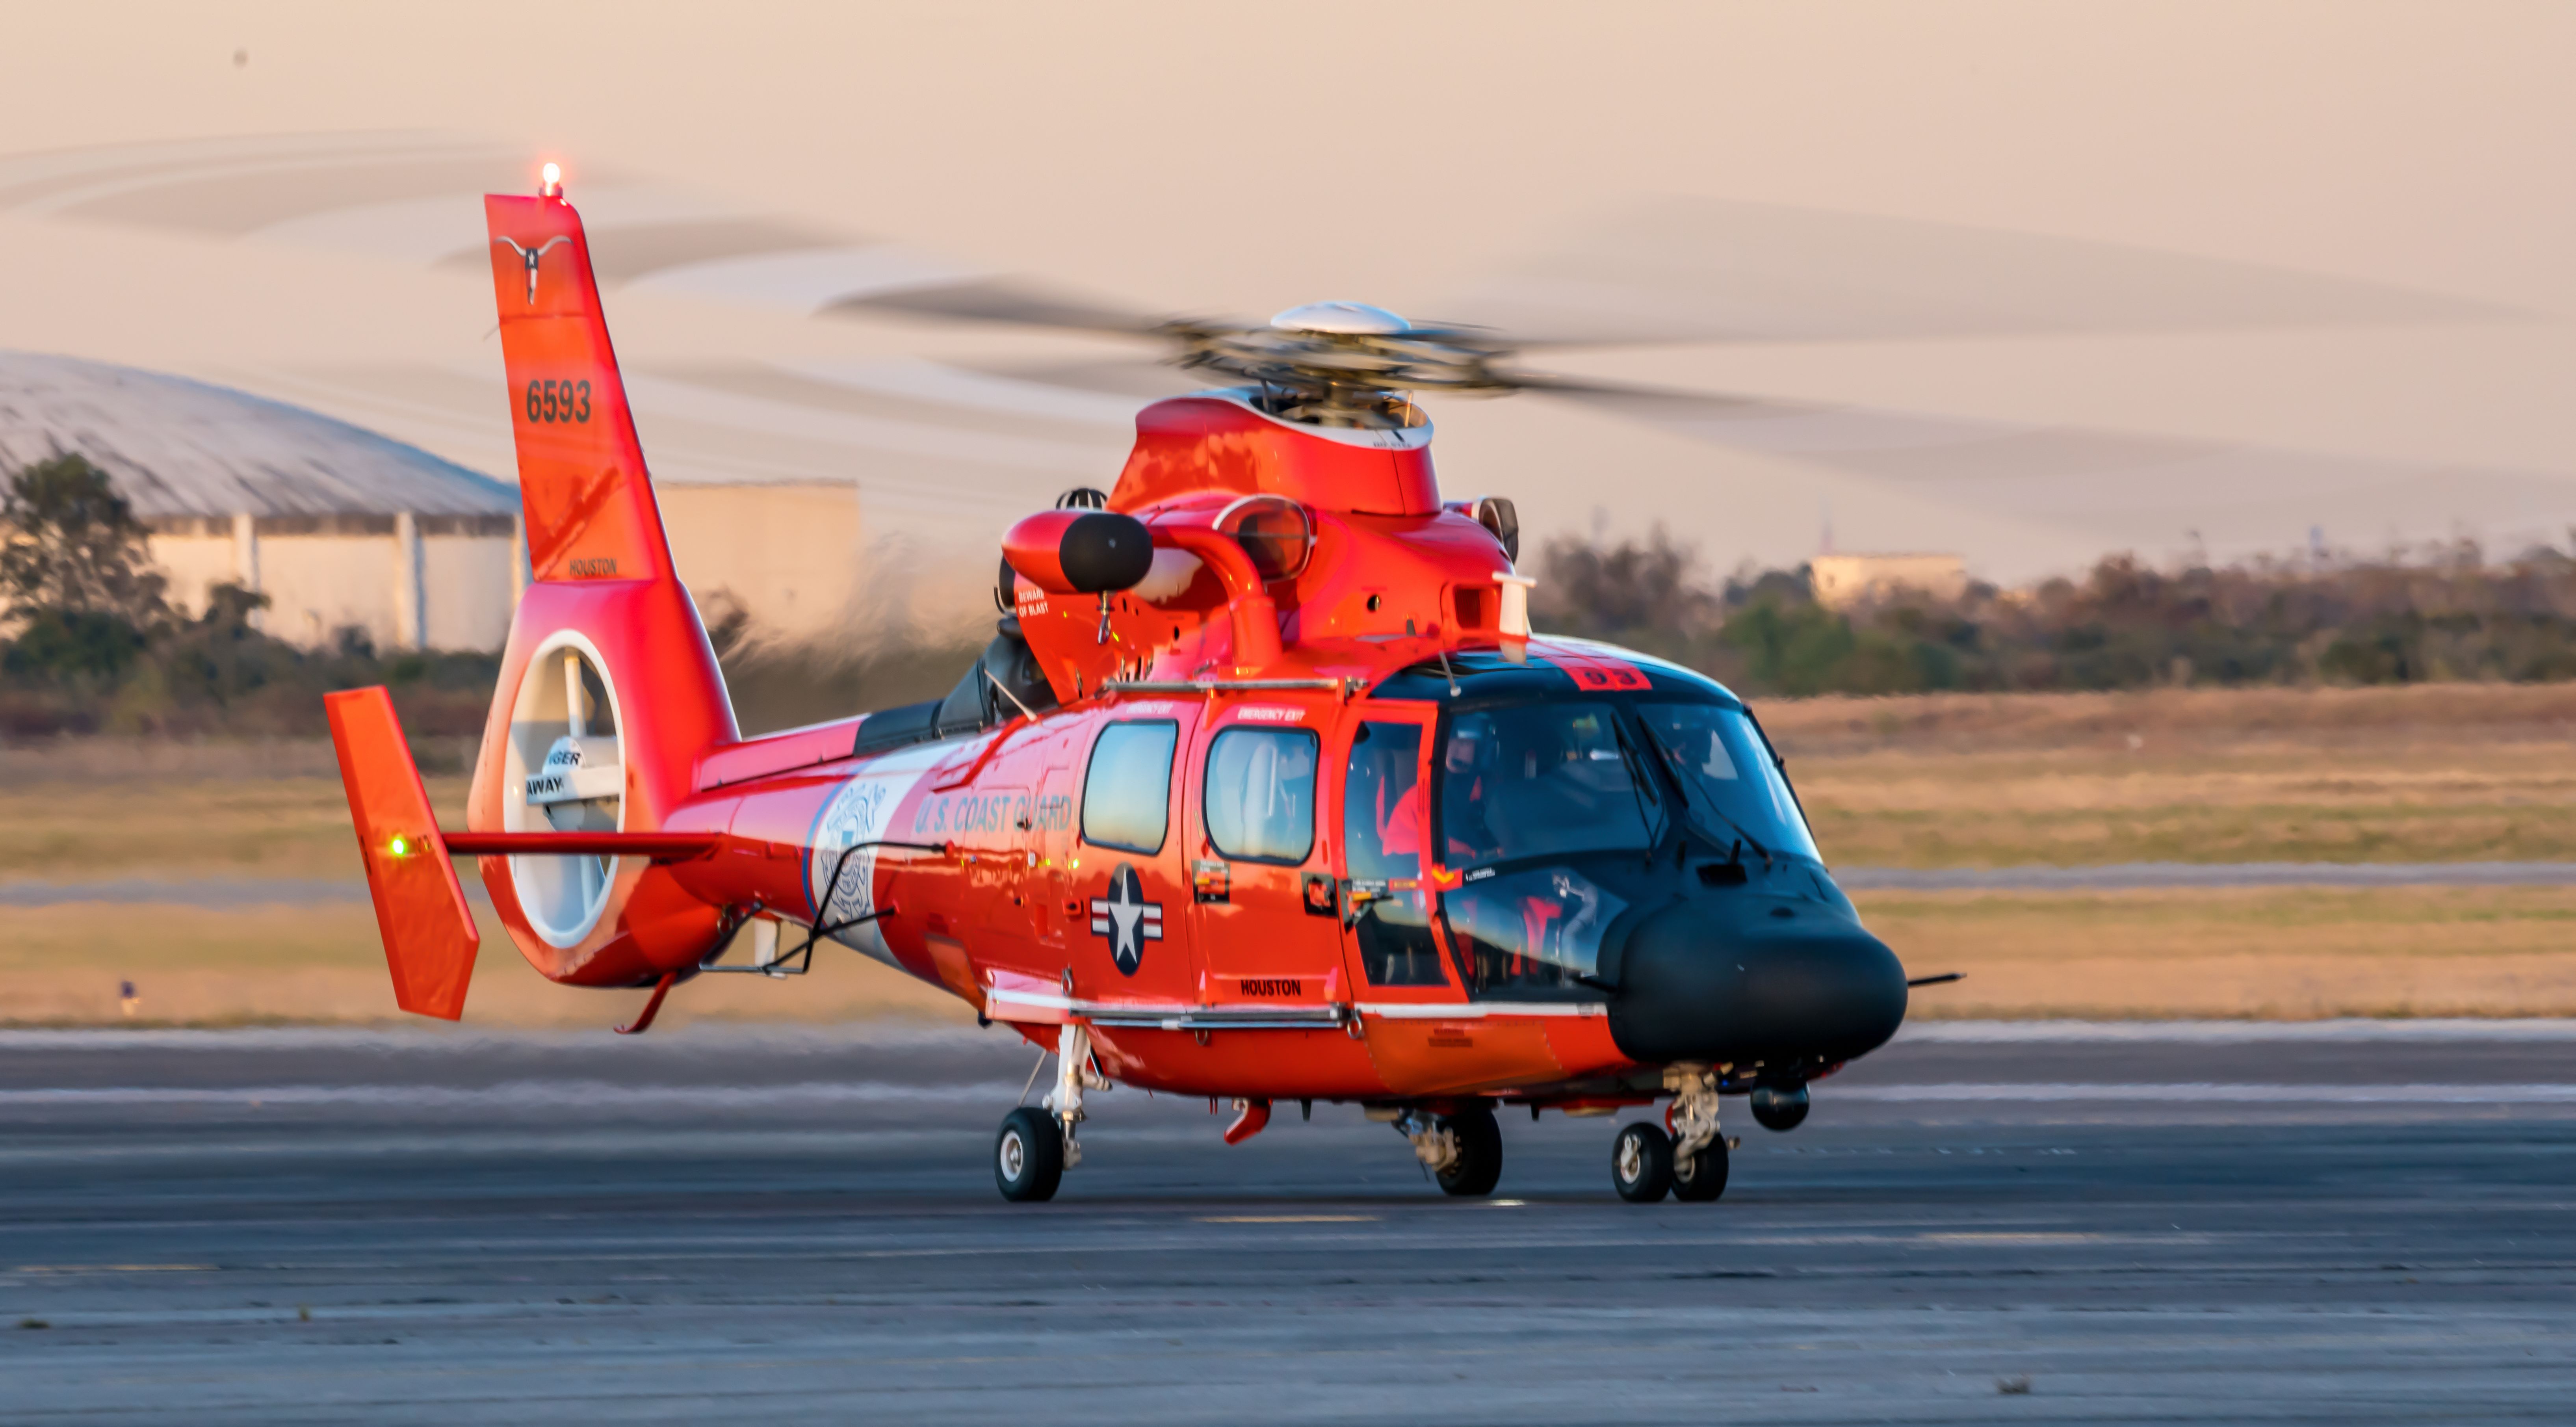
[[1646, 1163], [1641, 1163], [1700, 1177]]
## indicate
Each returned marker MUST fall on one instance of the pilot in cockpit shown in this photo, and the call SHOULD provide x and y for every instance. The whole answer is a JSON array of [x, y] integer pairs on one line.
[[1465, 815]]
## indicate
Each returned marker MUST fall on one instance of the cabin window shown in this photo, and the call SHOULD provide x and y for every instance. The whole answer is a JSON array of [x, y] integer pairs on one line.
[[1259, 799], [1382, 823], [1127, 791]]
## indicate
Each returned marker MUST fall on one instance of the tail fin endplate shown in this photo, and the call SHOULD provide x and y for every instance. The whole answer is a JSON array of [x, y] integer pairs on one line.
[[590, 509], [429, 934]]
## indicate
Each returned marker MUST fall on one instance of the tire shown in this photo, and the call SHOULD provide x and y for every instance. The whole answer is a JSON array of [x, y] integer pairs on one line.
[[1479, 1166], [1701, 1177], [1641, 1163], [1779, 1107], [1028, 1156]]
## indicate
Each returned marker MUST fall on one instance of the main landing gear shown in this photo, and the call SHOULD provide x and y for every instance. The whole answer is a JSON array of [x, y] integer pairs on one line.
[[1689, 1163], [1463, 1149], [1036, 1146]]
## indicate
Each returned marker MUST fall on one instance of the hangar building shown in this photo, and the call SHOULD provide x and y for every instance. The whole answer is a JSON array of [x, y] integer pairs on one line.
[[341, 527]]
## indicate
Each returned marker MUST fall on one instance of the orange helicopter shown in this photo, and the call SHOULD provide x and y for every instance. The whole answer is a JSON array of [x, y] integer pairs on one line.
[[1264, 789]]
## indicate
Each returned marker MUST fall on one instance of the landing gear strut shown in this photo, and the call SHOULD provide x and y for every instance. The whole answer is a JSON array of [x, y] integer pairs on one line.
[[1036, 1146], [1464, 1150]]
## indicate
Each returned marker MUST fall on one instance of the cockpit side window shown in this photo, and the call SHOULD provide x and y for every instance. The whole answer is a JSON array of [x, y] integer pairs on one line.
[[1383, 820], [1540, 780], [1382, 813]]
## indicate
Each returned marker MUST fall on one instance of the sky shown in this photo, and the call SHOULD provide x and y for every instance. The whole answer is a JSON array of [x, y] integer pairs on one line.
[[2299, 266]]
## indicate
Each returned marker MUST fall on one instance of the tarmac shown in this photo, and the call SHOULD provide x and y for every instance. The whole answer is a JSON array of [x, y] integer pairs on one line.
[[2049, 1222]]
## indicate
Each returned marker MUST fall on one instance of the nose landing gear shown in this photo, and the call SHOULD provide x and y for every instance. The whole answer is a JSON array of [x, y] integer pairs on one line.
[[1690, 1163]]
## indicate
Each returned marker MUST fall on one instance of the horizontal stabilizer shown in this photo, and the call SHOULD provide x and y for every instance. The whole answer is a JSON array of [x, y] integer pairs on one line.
[[660, 846], [429, 934]]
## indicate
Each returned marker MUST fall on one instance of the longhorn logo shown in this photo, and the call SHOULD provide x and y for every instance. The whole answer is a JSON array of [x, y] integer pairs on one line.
[[530, 256]]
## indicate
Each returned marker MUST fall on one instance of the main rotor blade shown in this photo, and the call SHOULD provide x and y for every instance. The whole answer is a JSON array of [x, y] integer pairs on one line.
[[2110, 486], [1714, 271], [1003, 301], [1869, 441]]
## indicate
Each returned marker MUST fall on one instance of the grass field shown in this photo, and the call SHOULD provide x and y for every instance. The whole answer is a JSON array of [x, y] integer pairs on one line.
[[2258, 953], [63, 965], [2445, 773], [2434, 774]]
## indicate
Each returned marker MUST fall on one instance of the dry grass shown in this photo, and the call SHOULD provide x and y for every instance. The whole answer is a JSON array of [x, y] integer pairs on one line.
[[2256, 953], [302, 965], [2441, 773], [281, 827], [2253, 803], [2431, 774], [2175, 719]]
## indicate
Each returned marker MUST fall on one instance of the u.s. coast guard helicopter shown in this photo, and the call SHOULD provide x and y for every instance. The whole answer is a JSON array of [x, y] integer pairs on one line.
[[1263, 791]]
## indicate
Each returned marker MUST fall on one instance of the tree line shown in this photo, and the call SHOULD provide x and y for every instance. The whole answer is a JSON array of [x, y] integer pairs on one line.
[[2443, 612], [90, 643]]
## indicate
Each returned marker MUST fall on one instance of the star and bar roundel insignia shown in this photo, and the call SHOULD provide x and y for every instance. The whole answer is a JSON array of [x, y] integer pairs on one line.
[[1126, 918]]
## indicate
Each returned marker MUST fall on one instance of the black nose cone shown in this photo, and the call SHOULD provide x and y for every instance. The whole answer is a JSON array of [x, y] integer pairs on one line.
[[1809, 986]]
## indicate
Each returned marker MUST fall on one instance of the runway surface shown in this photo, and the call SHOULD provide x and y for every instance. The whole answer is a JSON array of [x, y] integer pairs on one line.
[[232, 893], [2344, 1223]]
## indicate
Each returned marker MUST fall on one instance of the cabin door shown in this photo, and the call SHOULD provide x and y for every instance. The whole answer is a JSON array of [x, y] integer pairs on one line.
[[1262, 890], [1128, 874]]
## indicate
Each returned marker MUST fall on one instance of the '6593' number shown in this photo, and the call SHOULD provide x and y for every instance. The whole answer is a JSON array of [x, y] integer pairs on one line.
[[558, 401]]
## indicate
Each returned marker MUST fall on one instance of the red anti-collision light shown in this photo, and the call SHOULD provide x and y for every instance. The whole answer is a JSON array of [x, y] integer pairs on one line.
[[1080, 552]]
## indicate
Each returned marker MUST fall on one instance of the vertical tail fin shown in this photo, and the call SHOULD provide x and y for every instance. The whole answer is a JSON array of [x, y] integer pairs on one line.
[[605, 602], [429, 934], [590, 509]]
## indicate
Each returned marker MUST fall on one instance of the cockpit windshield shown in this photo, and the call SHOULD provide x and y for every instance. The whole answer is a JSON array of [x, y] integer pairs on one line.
[[1736, 791], [1541, 780]]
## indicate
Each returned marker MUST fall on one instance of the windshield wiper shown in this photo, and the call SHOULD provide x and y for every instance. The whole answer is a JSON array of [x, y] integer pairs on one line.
[[1690, 786], [1640, 775]]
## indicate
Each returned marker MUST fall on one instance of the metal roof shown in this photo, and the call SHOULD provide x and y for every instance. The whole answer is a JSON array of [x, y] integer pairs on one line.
[[176, 447]]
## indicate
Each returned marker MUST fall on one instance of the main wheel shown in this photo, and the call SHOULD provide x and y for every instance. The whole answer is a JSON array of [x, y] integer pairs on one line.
[[1641, 1162], [1479, 1165], [1028, 1156], [1701, 1177], [1779, 1107]]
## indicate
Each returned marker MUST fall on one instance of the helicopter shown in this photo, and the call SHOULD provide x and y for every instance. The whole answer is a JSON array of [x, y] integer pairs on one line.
[[1264, 790]]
